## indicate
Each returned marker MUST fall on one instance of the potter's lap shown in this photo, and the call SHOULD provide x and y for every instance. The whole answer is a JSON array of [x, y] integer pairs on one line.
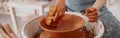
[[111, 24]]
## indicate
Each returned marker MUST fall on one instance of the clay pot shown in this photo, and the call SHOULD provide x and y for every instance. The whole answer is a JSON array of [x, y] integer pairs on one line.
[[70, 28]]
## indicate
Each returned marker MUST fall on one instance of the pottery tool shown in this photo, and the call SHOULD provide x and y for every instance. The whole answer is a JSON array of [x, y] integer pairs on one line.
[[6, 31]]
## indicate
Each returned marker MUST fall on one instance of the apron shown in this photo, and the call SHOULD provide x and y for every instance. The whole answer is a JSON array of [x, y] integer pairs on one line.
[[78, 5]]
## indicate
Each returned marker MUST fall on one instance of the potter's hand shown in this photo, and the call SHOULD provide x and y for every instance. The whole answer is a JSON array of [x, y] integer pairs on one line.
[[56, 12], [53, 15], [59, 9], [92, 14]]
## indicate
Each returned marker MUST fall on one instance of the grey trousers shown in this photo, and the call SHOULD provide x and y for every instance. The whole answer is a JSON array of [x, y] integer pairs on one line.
[[111, 24]]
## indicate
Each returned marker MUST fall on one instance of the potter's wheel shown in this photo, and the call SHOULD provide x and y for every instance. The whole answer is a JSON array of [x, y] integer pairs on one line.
[[32, 26]]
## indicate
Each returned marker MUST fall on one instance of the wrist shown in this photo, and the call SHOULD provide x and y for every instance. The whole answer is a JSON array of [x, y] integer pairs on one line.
[[60, 1], [96, 7]]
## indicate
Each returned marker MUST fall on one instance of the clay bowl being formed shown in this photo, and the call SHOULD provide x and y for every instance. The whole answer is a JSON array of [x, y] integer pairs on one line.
[[70, 26]]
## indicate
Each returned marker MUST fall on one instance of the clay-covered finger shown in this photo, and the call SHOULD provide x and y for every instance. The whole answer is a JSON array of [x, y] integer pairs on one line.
[[55, 11], [92, 13], [56, 15], [63, 12], [90, 9], [93, 17], [92, 20]]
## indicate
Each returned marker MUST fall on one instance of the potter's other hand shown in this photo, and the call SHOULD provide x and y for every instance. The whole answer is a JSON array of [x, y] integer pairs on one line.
[[92, 14], [59, 9]]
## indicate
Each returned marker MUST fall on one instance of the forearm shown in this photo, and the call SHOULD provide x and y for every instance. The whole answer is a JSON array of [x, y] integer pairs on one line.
[[99, 4]]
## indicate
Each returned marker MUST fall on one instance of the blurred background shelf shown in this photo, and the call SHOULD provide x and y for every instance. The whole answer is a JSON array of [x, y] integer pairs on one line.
[[21, 10]]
